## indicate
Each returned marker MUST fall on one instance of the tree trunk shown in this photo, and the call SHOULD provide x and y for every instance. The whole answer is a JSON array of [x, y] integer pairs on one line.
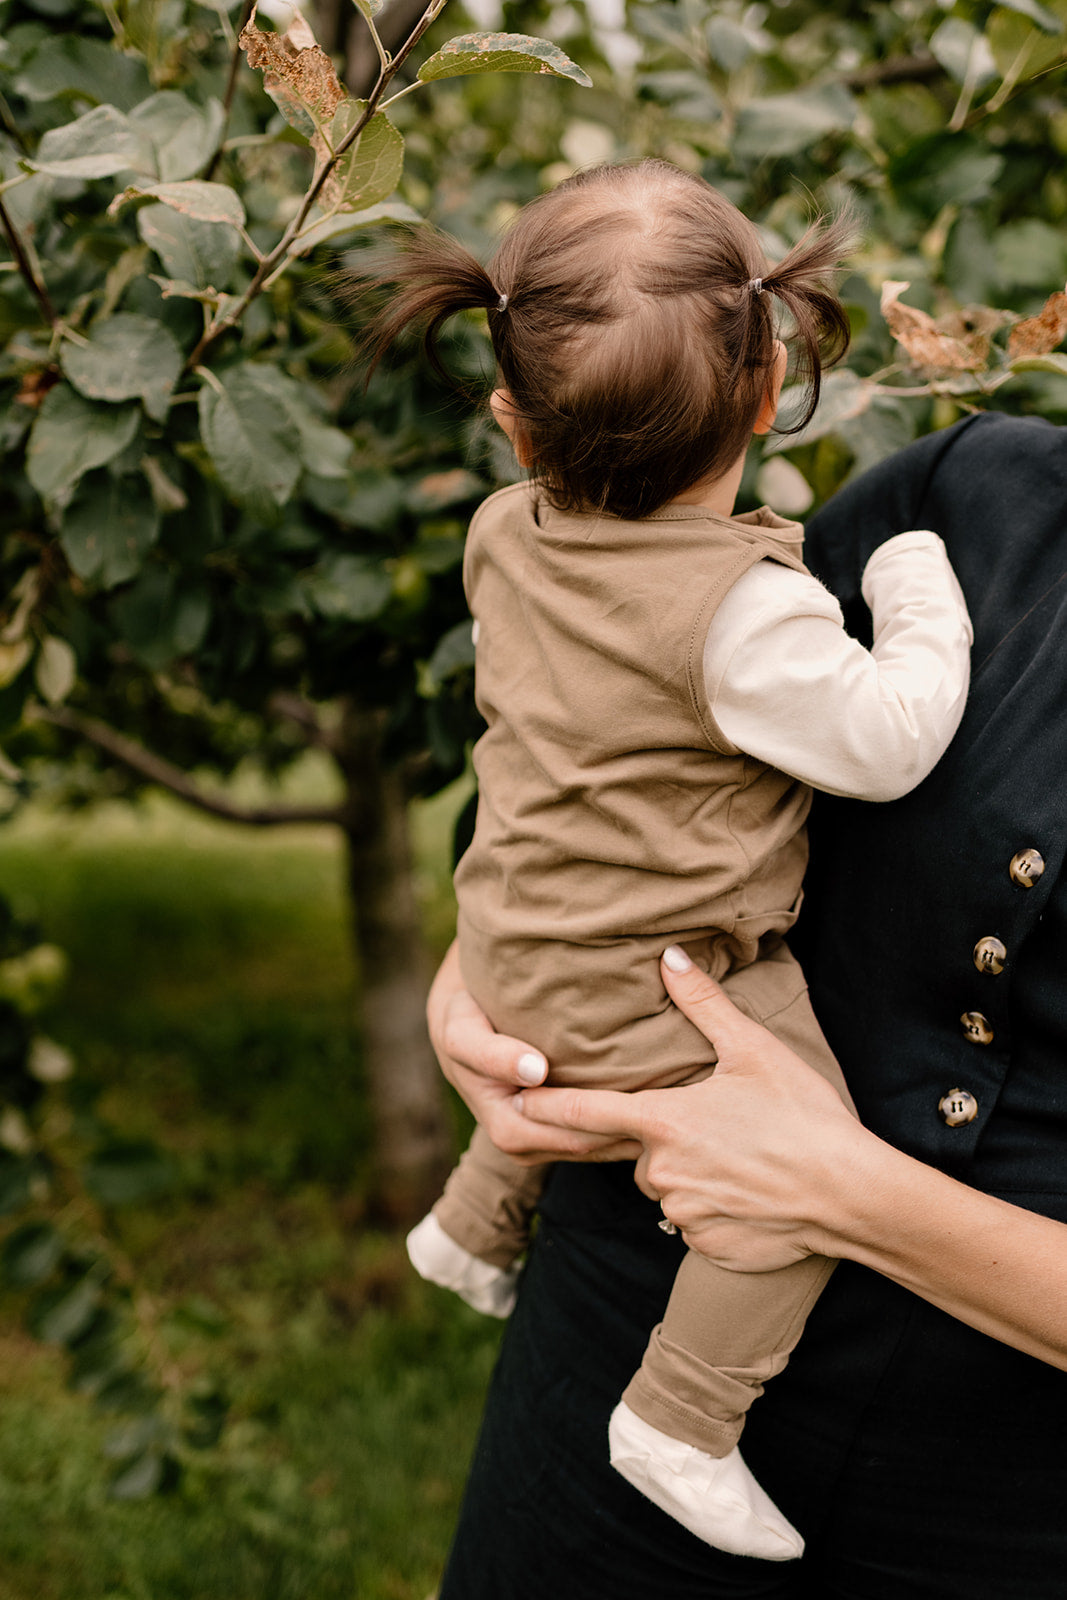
[[414, 1144]]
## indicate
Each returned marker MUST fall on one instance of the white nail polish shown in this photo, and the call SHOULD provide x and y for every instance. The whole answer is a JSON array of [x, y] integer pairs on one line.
[[531, 1068], [676, 959]]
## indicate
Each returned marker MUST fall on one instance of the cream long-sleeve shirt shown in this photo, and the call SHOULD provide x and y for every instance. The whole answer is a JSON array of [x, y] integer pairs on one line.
[[785, 683]]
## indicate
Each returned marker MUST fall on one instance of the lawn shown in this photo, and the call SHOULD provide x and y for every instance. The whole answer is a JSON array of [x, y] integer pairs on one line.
[[209, 999]]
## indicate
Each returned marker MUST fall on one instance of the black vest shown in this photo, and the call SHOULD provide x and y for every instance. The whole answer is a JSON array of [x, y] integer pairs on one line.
[[910, 903]]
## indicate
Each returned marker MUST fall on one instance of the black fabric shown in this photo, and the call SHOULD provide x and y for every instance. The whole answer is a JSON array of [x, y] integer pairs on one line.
[[875, 1441], [918, 1458]]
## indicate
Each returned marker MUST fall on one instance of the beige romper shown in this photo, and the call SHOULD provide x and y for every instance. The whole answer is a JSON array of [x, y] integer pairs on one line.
[[614, 819]]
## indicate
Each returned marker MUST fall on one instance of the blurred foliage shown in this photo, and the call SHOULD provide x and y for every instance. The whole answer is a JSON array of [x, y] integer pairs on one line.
[[208, 527], [64, 1170]]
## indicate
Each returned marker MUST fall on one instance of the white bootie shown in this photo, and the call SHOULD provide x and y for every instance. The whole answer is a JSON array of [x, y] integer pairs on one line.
[[441, 1260], [717, 1498]]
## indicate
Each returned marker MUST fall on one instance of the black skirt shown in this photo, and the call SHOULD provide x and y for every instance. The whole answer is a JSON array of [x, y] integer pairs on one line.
[[917, 1457]]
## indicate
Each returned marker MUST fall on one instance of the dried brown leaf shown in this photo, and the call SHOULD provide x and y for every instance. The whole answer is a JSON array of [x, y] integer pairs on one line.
[[1036, 336], [957, 343], [298, 76]]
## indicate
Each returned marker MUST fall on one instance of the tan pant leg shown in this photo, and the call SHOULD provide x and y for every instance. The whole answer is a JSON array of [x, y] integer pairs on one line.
[[725, 1333], [488, 1202]]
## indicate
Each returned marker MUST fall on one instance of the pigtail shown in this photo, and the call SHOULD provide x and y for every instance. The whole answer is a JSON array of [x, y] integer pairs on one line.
[[433, 277], [821, 330]]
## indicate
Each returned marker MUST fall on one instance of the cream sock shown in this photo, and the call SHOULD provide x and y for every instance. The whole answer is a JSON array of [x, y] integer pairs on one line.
[[717, 1498], [438, 1258]]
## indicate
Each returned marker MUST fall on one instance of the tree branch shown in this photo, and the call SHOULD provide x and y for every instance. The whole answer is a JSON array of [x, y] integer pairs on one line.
[[266, 267], [155, 769], [25, 266], [894, 69], [394, 24], [231, 88]]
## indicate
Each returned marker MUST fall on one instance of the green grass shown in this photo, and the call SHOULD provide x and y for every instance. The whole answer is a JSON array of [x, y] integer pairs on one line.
[[210, 1002]]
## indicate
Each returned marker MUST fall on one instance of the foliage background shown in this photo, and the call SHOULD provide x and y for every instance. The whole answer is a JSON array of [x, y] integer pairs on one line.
[[240, 582]]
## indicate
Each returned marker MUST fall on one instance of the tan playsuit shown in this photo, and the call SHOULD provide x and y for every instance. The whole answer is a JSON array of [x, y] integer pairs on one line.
[[614, 819]]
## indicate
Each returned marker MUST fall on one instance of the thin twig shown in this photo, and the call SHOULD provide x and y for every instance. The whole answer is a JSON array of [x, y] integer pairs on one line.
[[265, 272], [383, 54], [231, 89], [155, 769], [393, 98], [25, 266]]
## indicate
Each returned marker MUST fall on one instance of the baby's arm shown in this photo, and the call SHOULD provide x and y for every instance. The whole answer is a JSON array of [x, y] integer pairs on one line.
[[787, 684]]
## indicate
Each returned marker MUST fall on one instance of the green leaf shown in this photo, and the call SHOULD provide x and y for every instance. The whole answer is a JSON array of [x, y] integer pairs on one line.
[[128, 357], [324, 450], [454, 653], [369, 8], [72, 66], [128, 1172], [55, 670], [183, 136], [963, 51], [1037, 13], [885, 427], [1054, 361], [71, 436], [108, 528], [349, 588], [1029, 254], [349, 222], [59, 1316], [16, 1181], [30, 1255], [201, 253], [945, 169], [208, 202], [731, 43], [248, 433], [786, 124], [368, 171], [500, 52], [843, 396], [158, 620], [97, 145]]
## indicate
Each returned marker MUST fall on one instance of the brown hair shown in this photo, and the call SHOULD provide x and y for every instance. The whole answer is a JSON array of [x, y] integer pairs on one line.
[[631, 316]]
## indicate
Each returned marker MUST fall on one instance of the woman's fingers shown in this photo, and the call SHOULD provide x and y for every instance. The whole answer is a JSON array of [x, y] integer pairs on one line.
[[599, 1111], [710, 1009], [468, 1036]]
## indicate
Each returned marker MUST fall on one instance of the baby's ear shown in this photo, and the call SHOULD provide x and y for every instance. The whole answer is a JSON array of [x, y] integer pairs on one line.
[[506, 417], [769, 409]]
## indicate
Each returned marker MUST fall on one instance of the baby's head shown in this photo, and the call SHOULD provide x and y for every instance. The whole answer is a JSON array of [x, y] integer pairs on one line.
[[633, 316]]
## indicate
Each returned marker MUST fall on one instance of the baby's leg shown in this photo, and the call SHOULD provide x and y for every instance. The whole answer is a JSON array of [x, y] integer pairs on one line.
[[674, 1435], [475, 1233]]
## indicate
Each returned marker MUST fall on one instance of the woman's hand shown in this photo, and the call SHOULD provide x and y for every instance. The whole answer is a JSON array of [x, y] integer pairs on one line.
[[489, 1070], [745, 1162]]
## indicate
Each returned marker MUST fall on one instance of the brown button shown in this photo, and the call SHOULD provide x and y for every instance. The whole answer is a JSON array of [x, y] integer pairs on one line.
[[1026, 867], [976, 1028], [958, 1107], [990, 955]]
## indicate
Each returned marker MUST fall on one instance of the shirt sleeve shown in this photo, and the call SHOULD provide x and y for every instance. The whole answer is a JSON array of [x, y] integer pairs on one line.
[[785, 683]]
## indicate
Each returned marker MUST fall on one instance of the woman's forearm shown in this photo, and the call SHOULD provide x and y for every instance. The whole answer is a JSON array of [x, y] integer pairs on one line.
[[993, 1265]]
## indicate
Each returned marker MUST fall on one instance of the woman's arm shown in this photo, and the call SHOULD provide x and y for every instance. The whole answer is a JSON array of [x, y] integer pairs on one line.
[[761, 1163]]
